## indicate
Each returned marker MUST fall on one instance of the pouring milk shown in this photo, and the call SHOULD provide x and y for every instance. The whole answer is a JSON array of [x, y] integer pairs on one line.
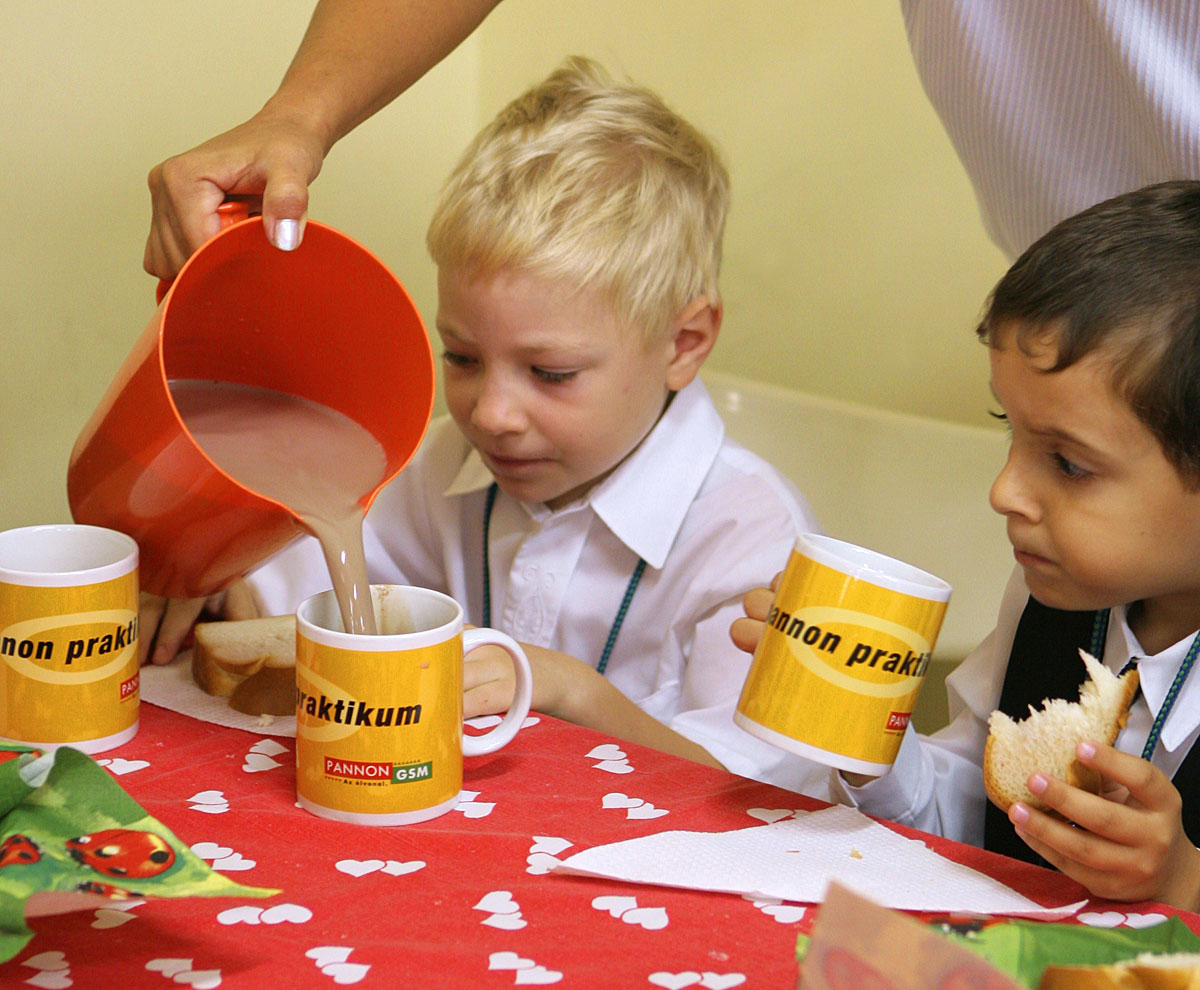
[[313, 459]]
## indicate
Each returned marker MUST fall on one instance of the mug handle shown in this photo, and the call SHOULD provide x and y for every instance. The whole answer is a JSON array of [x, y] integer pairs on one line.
[[503, 733]]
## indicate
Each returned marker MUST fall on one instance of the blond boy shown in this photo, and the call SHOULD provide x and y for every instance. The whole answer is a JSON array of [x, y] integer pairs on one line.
[[581, 495]]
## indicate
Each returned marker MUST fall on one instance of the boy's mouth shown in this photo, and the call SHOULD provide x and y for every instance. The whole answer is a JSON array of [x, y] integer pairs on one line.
[[1027, 558], [512, 464]]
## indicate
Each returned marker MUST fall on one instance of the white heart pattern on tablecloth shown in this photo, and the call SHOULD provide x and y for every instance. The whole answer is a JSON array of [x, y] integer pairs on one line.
[[474, 809], [51, 979], [503, 912], [674, 981], [540, 864], [359, 867], [200, 979], [223, 857], [626, 908], [111, 918], [333, 961], [775, 908], [721, 981], [47, 961], [269, 747], [1098, 919], [611, 758], [536, 976], [118, 765], [634, 807], [396, 868], [614, 904], [259, 762], [542, 856], [210, 802], [497, 902], [770, 815], [180, 971], [551, 844], [323, 955], [526, 972], [247, 914]]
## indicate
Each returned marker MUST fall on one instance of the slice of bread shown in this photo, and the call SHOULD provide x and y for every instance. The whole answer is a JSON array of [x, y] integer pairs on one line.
[[1045, 741], [251, 661], [1147, 972]]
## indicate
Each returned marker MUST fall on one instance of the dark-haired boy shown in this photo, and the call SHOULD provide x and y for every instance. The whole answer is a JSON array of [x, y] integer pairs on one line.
[[1094, 339]]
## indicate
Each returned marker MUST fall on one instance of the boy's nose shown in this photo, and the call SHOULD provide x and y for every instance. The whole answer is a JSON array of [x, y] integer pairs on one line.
[[496, 409], [1009, 495]]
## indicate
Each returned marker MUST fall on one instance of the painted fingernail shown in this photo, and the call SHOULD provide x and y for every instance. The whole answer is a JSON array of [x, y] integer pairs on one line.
[[1018, 814], [287, 235], [1038, 784], [1085, 750]]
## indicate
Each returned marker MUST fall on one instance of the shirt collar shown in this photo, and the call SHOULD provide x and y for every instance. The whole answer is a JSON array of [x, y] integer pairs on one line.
[[1155, 675], [645, 500]]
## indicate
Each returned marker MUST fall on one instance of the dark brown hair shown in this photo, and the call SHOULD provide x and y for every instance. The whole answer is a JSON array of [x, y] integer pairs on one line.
[[1123, 276]]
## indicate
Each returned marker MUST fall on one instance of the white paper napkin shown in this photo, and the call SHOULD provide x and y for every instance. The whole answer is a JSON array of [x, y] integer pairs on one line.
[[172, 686], [795, 860]]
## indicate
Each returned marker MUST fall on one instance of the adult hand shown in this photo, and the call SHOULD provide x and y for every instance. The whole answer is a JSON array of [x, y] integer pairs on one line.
[[273, 156]]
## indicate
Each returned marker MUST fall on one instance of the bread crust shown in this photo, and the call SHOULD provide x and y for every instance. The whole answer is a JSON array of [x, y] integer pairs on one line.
[[1077, 774], [1133, 975], [251, 662]]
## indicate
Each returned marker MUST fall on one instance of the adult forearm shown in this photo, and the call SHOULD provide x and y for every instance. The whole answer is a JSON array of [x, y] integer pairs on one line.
[[359, 55]]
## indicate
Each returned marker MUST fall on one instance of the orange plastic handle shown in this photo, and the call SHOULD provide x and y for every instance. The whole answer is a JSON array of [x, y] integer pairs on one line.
[[230, 212]]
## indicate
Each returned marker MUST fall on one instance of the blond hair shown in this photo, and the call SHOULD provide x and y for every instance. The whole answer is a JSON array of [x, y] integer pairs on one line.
[[596, 183]]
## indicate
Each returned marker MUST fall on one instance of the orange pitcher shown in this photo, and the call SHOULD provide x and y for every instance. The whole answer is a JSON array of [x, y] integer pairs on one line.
[[327, 322]]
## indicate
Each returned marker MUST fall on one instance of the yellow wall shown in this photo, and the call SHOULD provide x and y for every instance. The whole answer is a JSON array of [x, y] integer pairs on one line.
[[855, 261]]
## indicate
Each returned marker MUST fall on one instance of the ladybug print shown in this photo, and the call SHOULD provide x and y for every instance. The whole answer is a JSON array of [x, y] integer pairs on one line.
[[122, 852], [18, 848], [106, 890]]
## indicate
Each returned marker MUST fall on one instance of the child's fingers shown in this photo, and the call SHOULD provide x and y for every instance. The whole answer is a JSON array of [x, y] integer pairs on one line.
[[757, 603], [1106, 869], [746, 634], [488, 682], [1148, 786]]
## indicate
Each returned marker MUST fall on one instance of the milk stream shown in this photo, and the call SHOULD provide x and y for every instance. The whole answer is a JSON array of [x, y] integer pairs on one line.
[[311, 458]]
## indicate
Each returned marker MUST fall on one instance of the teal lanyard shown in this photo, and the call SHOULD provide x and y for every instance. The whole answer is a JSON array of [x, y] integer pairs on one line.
[[1100, 634], [613, 632]]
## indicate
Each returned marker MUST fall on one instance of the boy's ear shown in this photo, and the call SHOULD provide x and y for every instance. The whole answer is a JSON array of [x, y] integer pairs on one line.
[[696, 330]]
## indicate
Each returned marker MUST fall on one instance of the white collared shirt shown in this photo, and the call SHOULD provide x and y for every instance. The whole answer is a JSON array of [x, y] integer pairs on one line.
[[1055, 106], [711, 519], [936, 783]]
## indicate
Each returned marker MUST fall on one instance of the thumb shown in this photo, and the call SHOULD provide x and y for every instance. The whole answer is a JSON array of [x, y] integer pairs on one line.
[[285, 207]]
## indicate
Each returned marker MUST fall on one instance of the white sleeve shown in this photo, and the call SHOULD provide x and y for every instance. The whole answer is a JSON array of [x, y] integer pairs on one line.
[[742, 555], [936, 783]]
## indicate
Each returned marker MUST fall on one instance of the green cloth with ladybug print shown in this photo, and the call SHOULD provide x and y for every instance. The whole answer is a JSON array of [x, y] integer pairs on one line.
[[67, 826]]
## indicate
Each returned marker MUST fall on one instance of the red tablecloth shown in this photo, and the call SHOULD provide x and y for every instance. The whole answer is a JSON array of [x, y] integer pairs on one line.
[[461, 901]]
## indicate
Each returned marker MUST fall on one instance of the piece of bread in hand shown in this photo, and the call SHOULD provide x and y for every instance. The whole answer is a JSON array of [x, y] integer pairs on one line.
[[1045, 741], [1147, 972], [252, 662]]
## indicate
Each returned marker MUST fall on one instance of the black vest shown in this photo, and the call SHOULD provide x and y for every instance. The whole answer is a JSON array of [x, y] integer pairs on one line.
[[1045, 663]]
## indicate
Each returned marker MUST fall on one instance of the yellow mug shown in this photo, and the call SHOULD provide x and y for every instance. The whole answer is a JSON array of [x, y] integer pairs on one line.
[[843, 656], [379, 735], [68, 637]]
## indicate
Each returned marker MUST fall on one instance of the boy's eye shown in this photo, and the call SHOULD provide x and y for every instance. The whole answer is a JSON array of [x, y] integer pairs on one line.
[[457, 360], [1069, 468], [553, 377], [1001, 416]]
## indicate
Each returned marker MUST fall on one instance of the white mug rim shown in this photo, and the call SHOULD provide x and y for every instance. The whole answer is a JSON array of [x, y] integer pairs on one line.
[[864, 564], [383, 642], [121, 544]]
